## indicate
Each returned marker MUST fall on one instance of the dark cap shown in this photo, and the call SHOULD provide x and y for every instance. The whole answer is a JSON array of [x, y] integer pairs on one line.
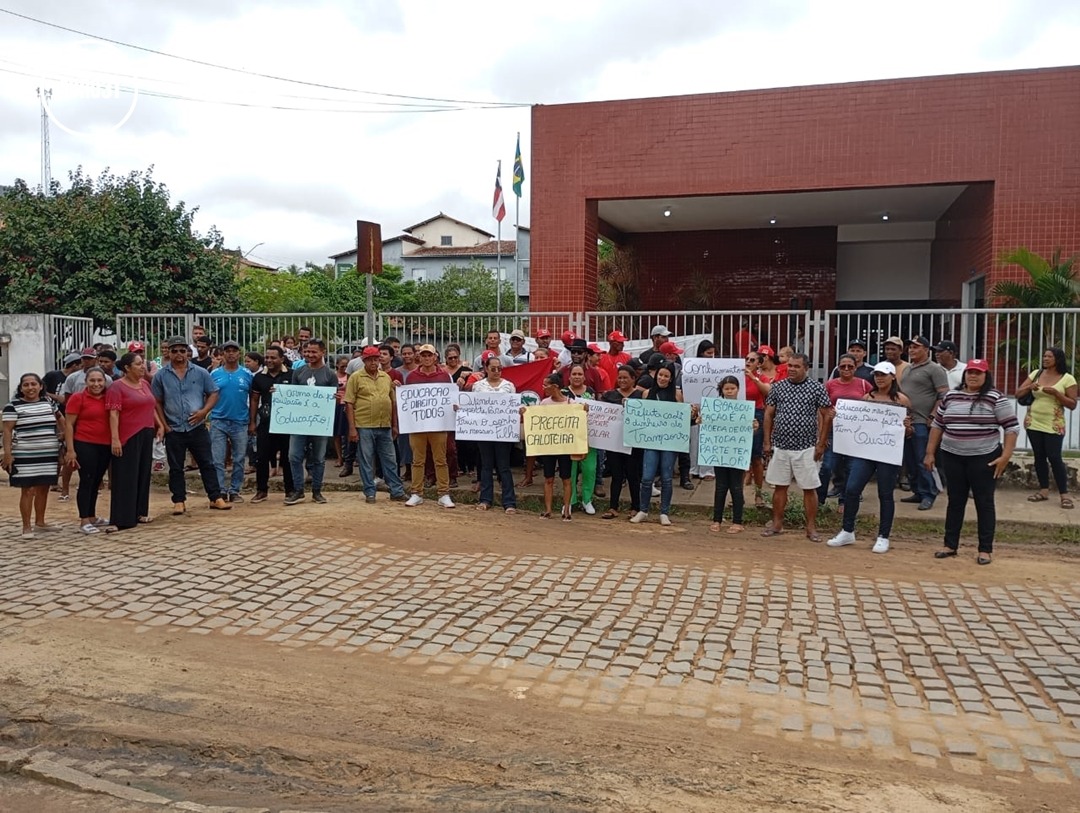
[[947, 346], [579, 344], [857, 342], [174, 341], [920, 340], [656, 361], [230, 345]]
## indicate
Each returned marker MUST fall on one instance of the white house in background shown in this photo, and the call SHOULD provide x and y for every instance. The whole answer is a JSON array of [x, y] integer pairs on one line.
[[426, 248]]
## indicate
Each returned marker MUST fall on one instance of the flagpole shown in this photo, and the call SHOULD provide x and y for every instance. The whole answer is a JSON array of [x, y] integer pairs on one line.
[[517, 249], [498, 257]]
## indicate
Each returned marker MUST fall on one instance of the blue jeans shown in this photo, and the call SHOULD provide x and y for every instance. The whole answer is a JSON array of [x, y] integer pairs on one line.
[[832, 463], [235, 433], [298, 445], [922, 481], [859, 475], [378, 443], [652, 463]]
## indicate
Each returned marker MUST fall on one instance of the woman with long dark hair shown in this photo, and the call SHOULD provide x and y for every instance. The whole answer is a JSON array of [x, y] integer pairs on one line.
[[728, 479], [968, 427], [1054, 390], [32, 451], [655, 461], [495, 454], [133, 423], [625, 466], [758, 386], [860, 470], [88, 441], [578, 390], [705, 350], [553, 394]]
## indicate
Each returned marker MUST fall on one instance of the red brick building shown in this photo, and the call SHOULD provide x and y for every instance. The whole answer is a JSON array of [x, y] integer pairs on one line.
[[898, 193]]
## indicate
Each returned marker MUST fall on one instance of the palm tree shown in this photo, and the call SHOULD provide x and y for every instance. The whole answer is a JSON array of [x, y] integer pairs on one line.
[[1051, 286]]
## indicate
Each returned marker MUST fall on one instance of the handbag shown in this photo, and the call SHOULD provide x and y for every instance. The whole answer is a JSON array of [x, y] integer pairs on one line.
[[1028, 398]]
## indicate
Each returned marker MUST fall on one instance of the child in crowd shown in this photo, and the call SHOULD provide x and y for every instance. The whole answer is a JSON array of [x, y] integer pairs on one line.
[[729, 479]]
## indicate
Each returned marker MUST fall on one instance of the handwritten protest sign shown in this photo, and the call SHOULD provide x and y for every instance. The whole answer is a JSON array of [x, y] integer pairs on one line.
[[870, 430], [489, 416], [606, 426], [556, 429], [301, 410], [663, 425], [426, 408], [701, 376], [726, 433]]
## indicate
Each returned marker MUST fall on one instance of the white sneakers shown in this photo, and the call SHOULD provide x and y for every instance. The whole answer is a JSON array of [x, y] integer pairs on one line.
[[639, 517], [841, 539], [664, 519], [656, 491], [414, 501], [881, 546], [446, 502], [589, 509]]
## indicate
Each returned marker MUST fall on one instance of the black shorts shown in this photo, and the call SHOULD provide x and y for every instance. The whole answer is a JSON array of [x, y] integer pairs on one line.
[[562, 461]]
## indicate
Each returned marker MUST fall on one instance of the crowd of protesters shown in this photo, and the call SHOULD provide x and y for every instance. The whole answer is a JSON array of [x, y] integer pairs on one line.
[[207, 406]]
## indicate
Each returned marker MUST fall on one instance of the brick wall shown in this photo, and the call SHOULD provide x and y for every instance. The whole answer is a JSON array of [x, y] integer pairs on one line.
[[1018, 130], [961, 249]]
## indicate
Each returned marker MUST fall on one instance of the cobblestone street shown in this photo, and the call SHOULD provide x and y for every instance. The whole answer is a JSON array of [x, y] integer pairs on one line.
[[979, 679]]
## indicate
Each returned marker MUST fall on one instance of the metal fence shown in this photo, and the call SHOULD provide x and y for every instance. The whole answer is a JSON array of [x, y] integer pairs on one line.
[[256, 331], [67, 334], [151, 328]]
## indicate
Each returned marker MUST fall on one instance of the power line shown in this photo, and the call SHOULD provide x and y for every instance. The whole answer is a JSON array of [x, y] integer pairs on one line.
[[272, 77]]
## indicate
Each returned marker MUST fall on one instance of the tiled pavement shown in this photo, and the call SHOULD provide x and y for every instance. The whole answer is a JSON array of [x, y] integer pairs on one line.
[[985, 680]]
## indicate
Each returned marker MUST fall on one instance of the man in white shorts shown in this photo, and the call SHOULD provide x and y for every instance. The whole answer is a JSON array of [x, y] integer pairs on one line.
[[797, 422]]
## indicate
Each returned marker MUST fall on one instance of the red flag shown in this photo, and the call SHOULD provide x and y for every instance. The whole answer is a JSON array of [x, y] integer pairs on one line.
[[498, 205], [528, 379]]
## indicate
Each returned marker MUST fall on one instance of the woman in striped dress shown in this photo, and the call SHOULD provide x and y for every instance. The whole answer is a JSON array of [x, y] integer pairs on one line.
[[32, 450]]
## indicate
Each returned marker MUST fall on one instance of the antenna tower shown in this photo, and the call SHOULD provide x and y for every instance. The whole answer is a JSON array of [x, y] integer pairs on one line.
[[46, 160]]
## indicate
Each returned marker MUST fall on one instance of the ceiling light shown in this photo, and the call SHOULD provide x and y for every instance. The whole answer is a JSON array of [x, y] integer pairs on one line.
[[667, 213], [885, 216]]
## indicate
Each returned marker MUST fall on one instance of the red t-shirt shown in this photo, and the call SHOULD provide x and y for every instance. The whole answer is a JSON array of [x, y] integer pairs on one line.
[[436, 376], [753, 393], [92, 425], [135, 405], [853, 390]]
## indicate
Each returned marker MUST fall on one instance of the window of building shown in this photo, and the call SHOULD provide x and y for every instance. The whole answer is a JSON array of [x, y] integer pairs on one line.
[[419, 274], [446, 240]]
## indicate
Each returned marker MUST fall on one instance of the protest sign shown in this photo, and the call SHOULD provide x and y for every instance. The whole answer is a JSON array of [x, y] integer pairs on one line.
[[700, 377], [870, 430], [301, 410], [426, 408], [726, 434], [663, 425], [556, 429], [606, 426], [488, 416]]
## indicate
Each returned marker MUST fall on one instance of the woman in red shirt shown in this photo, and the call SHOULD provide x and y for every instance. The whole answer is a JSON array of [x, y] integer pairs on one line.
[[757, 389], [87, 439], [849, 386], [133, 423]]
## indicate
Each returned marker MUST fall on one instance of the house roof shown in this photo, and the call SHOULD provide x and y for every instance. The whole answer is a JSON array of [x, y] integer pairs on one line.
[[408, 238], [488, 249], [240, 259], [452, 219]]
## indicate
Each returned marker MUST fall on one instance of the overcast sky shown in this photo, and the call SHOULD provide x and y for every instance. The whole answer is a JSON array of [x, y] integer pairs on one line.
[[464, 75]]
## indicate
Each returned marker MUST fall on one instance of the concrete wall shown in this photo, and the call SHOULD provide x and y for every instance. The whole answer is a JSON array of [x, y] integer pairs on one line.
[[26, 352]]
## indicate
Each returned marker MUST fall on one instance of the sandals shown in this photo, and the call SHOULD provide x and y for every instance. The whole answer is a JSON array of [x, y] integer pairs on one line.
[[145, 520], [983, 559], [947, 553], [511, 510], [770, 531], [64, 497], [735, 529], [545, 515], [482, 506], [566, 513], [1066, 502], [1038, 496], [90, 528], [611, 513]]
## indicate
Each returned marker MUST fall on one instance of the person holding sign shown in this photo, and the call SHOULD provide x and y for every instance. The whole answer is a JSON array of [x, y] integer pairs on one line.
[[968, 427], [729, 479], [372, 420], [847, 385], [655, 461], [797, 423], [576, 391], [553, 394], [886, 391], [270, 448], [429, 373], [625, 466], [314, 373], [494, 454], [757, 390]]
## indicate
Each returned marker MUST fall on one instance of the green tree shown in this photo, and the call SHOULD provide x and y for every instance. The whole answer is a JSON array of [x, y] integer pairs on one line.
[[106, 246], [263, 291], [619, 274], [469, 289], [391, 292]]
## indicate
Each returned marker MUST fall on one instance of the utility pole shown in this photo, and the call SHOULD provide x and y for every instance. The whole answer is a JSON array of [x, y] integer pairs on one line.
[[46, 160]]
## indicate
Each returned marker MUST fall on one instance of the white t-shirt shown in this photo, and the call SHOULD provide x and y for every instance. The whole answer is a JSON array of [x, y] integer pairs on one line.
[[483, 385], [956, 375]]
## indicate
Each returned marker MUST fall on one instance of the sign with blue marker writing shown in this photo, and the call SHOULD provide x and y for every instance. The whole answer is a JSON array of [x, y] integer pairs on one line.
[[700, 377], [870, 430], [726, 433], [661, 425], [489, 416], [301, 410]]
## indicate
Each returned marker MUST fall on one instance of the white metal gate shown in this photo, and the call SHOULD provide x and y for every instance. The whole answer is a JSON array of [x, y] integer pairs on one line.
[[67, 334]]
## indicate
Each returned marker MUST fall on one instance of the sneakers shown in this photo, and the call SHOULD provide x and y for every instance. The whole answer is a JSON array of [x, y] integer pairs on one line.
[[294, 498], [260, 496], [589, 509], [664, 520], [881, 546], [398, 497], [220, 505], [841, 539], [656, 491], [639, 517], [369, 498], [689, 486], [414, 500], [235, 498], [926, 504], [446, 502], [316, 496]]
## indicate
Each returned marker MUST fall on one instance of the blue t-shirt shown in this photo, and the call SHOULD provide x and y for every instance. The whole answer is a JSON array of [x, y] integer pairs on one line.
[[234, 389]]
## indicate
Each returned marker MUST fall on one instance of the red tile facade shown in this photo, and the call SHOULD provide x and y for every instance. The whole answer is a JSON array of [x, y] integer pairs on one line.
[[1017, 132]]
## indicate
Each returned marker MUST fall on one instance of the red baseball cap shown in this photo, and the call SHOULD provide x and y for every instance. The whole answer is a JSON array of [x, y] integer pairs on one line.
[[136, 347], [765, 350], [543, 333], [568, 336], [487, 354], [978, 364], [670, 347], [617, 336], [370, 352], [595, 348]]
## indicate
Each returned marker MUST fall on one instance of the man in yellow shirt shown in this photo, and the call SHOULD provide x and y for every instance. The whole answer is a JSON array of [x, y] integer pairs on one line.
[[373, 424]]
